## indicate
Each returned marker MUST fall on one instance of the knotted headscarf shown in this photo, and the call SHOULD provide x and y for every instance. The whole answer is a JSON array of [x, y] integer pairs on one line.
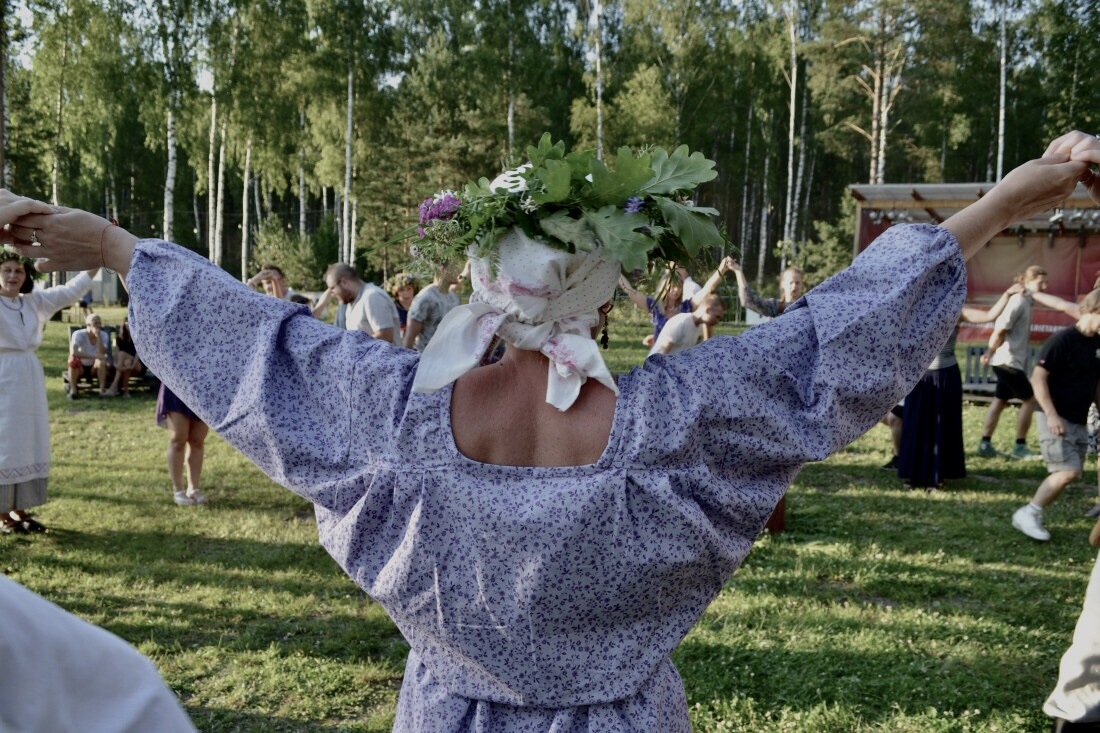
[[536, 298]]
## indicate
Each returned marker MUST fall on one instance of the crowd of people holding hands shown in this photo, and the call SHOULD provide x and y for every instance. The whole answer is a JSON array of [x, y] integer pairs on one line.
[[566, 539]]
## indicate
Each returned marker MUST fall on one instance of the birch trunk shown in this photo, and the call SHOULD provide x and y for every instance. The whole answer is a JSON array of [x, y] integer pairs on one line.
[[764, 215], [346, 223], [788, 219], [220, 214], [798, 176], [211, 199], [302, 176], [55, 173], [170, 174], [599, 85], [745, 228], [1001, 105], [244, 209]]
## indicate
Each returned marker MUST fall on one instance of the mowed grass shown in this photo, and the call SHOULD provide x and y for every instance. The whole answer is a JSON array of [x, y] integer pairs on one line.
[[879, 609]]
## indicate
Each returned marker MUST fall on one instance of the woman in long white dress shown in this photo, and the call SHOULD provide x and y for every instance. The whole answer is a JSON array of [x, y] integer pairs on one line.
[[24, 419]]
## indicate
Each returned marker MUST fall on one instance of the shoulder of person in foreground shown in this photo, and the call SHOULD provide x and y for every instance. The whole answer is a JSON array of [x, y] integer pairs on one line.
[[63, 673]]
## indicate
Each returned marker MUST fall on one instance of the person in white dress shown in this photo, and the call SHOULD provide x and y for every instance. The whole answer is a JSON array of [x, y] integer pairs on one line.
[[24, 419]]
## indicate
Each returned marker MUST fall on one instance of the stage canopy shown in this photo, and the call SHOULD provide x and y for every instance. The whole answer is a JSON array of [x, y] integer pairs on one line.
[[1065, 242]]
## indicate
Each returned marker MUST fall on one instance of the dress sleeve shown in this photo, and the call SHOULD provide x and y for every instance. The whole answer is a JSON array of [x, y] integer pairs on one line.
[[272, 380], [802, 386], [51, 300]]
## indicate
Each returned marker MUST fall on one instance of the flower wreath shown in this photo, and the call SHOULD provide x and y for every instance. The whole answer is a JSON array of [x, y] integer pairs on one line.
[[634, 211]]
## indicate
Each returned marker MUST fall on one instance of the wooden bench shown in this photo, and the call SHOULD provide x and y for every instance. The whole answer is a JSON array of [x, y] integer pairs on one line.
[[145, 380]]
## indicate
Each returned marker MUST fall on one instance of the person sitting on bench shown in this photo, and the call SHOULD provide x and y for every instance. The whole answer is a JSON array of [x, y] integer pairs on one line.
[[88, 349]]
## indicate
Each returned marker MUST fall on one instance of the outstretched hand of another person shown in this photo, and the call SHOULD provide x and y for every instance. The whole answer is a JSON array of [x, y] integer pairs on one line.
[[12, 208], [67, 239], [1082, 147]]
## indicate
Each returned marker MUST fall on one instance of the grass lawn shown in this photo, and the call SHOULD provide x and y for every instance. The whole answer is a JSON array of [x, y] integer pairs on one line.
[[880, 609]]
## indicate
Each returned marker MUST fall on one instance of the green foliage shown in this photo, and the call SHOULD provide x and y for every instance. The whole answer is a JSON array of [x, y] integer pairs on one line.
[[303, 261], [832, 251]]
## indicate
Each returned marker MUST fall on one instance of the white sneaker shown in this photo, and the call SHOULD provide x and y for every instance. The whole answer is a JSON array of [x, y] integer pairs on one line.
[[182, 498], [196, 496], [1030, 522]]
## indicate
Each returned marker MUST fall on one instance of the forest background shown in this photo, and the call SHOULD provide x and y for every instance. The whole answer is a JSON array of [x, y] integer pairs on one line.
[[306, 131]]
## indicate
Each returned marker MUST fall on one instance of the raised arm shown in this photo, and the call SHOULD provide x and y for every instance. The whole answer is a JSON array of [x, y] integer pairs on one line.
[[970, 314], [724, 266], [636, 298], [1057, 304]]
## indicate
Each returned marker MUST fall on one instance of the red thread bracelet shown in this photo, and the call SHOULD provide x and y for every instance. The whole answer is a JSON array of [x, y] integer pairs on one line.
[[102, 259]]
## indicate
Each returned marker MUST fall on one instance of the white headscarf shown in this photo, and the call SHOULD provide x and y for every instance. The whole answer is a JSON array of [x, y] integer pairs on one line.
[[540, 299]]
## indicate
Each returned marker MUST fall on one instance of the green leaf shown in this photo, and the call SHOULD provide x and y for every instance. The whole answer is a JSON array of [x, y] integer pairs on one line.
[[545, 151], [556, 179], [692, 225], [679, 172], [561, 226], [617, 235], [614, 186]]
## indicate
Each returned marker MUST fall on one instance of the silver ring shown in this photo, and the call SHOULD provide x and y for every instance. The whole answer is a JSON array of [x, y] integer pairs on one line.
[[34, 238]]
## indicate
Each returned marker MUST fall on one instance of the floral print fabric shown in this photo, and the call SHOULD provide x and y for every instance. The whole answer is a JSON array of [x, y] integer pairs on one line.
[[546, 598]]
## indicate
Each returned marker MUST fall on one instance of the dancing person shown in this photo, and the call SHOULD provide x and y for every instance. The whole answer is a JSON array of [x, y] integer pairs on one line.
[[369, 309], [273, 281], [88, 350], [931, 440], [1007, 354], [428, 308], [671, 299], [544, 557], [791, 283], [127, 363], [186, 447], [24, 416], [61, 673], [686, 329], [1065, 381]]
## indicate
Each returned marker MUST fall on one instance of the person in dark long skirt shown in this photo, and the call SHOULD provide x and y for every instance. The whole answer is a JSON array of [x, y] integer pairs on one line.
[[931, 421]]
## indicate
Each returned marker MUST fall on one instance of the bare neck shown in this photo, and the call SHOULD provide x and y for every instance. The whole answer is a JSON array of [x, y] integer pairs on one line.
[[499, 415]]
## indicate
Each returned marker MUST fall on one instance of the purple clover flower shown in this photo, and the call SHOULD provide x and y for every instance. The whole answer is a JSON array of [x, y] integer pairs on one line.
[[441, 207], [634, 205]]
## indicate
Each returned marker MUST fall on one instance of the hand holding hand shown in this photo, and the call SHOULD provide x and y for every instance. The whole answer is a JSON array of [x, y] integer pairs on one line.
[[728, 264], [71, 239], [1081, 147], [13, 208]]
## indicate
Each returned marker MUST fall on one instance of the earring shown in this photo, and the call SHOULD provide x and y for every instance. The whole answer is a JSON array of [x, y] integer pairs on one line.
[[603, 337]]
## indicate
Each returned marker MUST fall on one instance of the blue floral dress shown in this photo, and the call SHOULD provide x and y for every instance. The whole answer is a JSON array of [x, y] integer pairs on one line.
[[538, 599]]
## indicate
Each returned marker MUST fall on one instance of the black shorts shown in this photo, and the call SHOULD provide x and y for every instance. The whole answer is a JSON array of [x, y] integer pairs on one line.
[[1012, 383]]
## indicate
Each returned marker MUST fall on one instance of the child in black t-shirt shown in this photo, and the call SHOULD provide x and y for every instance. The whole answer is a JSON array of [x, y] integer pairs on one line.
[[1065, 383]]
